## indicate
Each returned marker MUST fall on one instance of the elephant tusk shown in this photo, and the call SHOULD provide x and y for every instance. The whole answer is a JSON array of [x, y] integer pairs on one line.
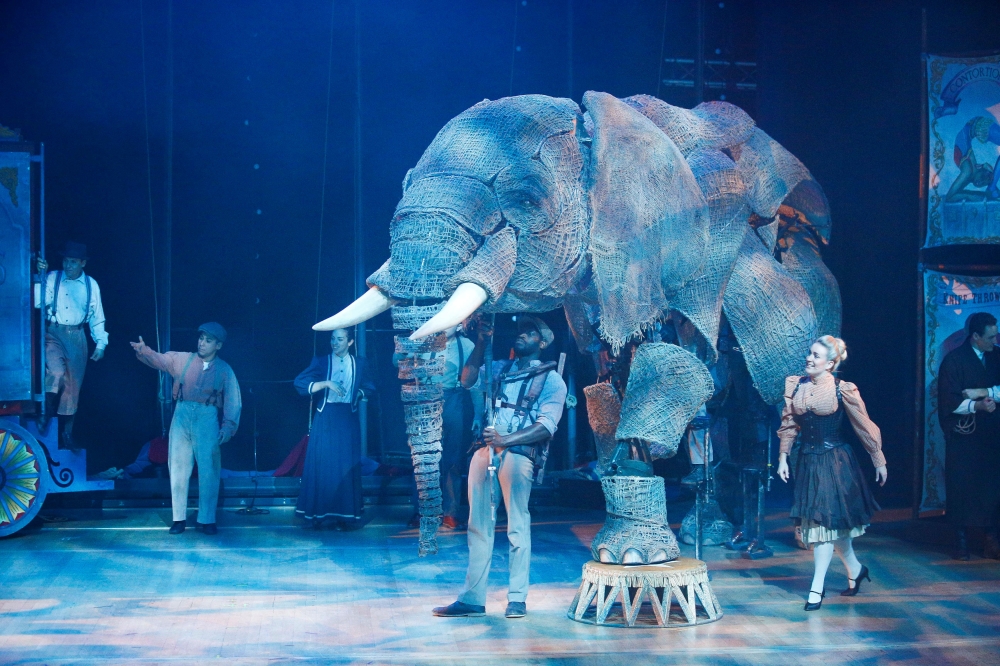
[[466, 299], [371, 303]]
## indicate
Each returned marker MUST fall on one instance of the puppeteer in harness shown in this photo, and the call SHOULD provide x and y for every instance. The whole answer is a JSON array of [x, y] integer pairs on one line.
[[527, 403]]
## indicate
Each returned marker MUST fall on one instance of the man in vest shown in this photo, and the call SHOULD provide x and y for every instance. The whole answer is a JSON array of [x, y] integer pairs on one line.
[[207, 413], [527, 406], [72, 299]]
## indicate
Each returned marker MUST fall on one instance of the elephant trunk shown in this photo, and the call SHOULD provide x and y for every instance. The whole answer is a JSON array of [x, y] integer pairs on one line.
[[421, 366]]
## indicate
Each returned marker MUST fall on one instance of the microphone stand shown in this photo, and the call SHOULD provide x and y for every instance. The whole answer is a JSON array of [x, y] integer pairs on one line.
[[251, 509]]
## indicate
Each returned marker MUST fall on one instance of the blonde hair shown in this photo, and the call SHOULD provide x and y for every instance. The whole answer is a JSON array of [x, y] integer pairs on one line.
[[836, 349]]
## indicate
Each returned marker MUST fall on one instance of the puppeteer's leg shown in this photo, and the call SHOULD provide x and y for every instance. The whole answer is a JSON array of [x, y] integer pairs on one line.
[[209, 457], [516, 473], [482, 525], [181, 458], [666, 387]]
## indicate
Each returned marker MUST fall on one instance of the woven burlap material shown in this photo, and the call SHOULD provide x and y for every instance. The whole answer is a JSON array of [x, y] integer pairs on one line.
[[666, 386], [650, 222], [800, 255], [772, 317], [636, 521]]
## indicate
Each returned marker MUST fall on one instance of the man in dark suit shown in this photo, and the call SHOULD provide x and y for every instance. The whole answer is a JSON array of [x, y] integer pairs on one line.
[[968, 391]]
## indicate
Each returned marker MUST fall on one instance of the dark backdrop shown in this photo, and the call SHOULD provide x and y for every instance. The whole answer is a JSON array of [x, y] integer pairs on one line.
[[258, 163]]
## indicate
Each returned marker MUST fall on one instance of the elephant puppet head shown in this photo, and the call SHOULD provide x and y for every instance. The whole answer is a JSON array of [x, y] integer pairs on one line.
[[493, 215]]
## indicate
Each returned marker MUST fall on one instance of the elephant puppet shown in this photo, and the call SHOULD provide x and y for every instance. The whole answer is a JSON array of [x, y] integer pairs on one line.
[[625, 212]]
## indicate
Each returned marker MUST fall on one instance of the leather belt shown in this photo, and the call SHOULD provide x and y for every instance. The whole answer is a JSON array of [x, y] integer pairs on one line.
[[822, 447]]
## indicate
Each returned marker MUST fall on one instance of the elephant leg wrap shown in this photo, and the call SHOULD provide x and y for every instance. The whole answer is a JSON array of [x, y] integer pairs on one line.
[[422, 363], [604, 412], [636, 529]]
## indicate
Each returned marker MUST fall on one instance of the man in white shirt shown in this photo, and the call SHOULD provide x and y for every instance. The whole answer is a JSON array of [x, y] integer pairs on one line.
[[71, 299]]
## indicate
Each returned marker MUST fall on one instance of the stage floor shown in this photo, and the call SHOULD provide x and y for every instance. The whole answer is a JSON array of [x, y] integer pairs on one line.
[[116, 588]]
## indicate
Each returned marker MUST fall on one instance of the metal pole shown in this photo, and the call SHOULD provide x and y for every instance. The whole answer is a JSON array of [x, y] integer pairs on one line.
[[44, 276], [698, 502], [359, 234], [166, 406], [571, 414], [918, 395]]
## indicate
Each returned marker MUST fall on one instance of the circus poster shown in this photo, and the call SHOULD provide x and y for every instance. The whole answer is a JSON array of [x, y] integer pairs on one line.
[[963, 189], [948, 301]]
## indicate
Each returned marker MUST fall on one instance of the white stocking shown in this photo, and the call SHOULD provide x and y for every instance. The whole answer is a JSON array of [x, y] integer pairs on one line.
[[845, 548], [822, 556]]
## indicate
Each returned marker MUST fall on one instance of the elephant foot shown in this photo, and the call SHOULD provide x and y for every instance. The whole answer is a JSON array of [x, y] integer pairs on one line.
[[636, 529], [624, 541]]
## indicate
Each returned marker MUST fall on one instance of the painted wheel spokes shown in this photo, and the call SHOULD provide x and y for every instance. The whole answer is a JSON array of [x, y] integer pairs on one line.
[[20, 477]]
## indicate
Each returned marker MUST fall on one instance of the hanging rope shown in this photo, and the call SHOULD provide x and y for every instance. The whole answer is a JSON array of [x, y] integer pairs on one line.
[[149, 173], [162, 392], [326, 149], [663, 42], [322, 195]]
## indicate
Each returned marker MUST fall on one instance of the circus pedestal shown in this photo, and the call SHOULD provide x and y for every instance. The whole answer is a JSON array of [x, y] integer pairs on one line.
[[672, 594]]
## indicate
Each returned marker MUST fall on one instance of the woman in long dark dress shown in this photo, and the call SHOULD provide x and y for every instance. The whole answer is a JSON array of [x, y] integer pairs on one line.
[[331, 476], [832, 503]]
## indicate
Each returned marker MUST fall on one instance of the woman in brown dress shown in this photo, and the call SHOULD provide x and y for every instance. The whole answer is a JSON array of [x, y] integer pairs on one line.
[[832, 503]]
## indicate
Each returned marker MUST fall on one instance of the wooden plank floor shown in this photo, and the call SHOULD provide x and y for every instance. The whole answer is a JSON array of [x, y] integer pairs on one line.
[[116, 588]]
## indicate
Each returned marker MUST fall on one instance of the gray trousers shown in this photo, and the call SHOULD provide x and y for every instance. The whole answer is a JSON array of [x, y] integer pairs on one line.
[[512, 481], [194, 437]]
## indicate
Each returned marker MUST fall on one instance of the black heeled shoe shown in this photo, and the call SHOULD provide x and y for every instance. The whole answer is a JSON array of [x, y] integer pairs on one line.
[[863, 574], [815, 606]]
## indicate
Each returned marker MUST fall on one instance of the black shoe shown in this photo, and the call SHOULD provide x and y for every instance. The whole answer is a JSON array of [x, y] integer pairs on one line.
[[851, 591], [815, 606], [208, 528], [695, 477], [458, 609], [516, 609], [178, 527], [961, 545]]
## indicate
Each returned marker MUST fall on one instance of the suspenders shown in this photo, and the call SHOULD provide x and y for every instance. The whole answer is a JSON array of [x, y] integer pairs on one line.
[[55, 299]]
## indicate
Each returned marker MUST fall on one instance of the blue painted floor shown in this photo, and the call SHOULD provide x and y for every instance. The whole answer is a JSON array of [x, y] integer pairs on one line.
[[114, 588]]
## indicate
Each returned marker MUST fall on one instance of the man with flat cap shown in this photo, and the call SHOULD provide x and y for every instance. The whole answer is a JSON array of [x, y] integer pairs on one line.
[[528, 404], [72, 299], [206, 415]]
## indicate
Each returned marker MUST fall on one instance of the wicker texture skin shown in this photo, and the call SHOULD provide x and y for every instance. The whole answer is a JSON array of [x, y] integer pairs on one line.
[[666, 387], [622, 212]]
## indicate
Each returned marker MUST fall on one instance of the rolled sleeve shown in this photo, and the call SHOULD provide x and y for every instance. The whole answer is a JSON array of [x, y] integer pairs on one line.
[[551, 402]]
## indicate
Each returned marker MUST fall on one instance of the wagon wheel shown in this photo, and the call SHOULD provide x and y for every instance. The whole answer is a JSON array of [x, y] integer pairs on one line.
[[24, 473]]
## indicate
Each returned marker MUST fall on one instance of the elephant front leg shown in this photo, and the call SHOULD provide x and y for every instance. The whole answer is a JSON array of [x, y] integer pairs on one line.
[[666, 387]]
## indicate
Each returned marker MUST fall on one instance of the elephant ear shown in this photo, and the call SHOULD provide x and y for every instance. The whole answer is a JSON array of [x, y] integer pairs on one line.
[[649, 220], [771, 315]]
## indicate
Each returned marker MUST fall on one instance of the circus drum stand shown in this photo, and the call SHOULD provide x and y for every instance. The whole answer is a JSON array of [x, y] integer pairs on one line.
[[31, 465], [636, 556]]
